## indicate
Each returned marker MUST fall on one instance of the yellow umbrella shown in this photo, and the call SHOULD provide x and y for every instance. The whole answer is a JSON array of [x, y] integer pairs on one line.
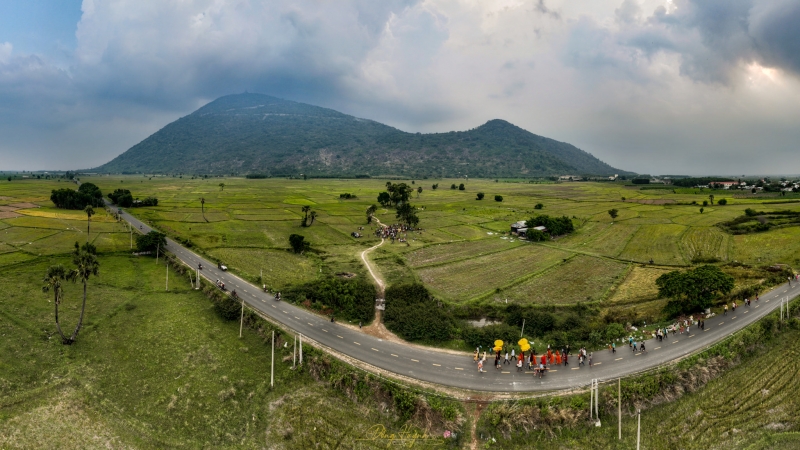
[[523, 341], [524, 347], [498, 348], [498, 343]]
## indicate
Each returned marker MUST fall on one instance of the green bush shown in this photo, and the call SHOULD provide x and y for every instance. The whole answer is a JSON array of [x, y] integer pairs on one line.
[[414, 315], [151, 241], [352, 299], [498, 198]]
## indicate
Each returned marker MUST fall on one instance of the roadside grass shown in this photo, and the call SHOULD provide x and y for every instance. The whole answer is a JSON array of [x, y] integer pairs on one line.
[[754, 405], [155, 369], [580, 279], [279, 267]]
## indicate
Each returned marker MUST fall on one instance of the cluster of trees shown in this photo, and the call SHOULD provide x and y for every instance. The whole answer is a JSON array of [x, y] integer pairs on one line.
[[415, 315], [350, 299], [395, 194], [85, 260], [460, 187], [556, 226], [347, 196], [640, 181], [693, 290], [698, 181], [87, 194], [124, 198]]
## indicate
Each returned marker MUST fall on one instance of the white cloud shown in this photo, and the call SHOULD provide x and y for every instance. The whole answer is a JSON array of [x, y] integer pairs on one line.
[[649, 85]]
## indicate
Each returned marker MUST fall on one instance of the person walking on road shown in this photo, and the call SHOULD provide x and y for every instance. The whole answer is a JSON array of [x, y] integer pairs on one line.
[[613, 348], [513, 355], [565, 357], [725, 310], [475, 358], [480, 366], [634, 346], [506, 361], [641, 346], [590, 360]]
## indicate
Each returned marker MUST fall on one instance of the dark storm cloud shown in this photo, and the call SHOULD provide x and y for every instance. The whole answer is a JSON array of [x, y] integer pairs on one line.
[[715, 37]]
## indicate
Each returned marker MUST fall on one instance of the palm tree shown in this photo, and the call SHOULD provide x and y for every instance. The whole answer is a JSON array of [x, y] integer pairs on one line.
[[313, 215], [222, 186], [305, 210], [89, 213], [419, 191], [203, 207], [711, 197], [86, 266], [54, 280]]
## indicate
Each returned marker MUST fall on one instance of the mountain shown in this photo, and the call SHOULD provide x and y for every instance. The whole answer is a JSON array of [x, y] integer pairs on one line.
[[255, 133]]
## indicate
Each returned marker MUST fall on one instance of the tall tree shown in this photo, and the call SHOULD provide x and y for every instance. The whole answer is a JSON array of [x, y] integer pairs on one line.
[[370, 212], [419, 191], [613, 213], [407, 214], [89, 213], [222, 186], [86, 265], [203, 207], [711, 197], [694, 289], [54, 281], [312, 215], [305, 210]]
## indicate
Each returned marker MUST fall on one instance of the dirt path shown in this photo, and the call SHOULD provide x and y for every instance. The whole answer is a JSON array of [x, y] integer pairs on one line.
[[376, 328]]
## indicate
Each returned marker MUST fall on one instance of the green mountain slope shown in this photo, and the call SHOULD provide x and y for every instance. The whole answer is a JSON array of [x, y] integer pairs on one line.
[[254, 133]]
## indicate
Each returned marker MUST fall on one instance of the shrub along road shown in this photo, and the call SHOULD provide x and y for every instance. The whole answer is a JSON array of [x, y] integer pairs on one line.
[[447, 369]]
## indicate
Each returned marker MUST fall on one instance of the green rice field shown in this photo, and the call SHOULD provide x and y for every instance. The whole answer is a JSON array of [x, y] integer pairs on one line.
[[463, 252]]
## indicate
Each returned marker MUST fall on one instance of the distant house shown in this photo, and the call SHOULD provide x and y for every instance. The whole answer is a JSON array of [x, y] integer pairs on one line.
[[523, 232], [515, 227], [724, 184], [570, 178]]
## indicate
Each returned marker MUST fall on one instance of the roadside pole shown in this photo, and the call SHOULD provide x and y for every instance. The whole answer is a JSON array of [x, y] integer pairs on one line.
[[619, 408], [166, 286], [523, 328], [639, 429], [591, 400], [301, 349], [272, 364], [241, 323], [294, 353]]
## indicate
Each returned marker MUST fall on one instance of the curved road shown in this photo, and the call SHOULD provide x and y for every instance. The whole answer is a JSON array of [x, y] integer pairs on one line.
[[447, 369]]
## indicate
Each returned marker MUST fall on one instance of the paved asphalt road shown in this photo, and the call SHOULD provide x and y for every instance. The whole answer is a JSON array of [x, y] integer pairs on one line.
[[460, 371]]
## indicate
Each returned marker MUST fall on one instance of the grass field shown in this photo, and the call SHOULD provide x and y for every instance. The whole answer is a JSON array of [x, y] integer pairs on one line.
[[154, 369], [459, 253]]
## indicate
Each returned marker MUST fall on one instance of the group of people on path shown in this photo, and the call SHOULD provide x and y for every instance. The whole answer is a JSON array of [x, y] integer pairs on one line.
[[539, 364], [393, 231]]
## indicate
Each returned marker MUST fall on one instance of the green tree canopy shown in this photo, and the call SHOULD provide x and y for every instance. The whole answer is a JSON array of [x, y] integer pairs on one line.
[[479, 196], [693, 290], [151, 241], [298, 243]]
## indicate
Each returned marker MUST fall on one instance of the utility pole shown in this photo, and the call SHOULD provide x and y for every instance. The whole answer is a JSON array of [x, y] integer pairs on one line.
[[619, 407], [591, 400], [241, 323], [130, 228], [301, 349], [638, 428], [198, 279], [597, 399], [272, 364], [294, 353], [166, 287], [523, 328]]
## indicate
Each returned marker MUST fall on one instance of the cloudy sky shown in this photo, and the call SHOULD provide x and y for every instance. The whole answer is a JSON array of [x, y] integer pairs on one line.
[[653, 86]]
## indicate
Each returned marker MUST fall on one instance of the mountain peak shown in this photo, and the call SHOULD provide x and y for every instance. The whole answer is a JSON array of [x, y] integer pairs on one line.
[[257, 133]]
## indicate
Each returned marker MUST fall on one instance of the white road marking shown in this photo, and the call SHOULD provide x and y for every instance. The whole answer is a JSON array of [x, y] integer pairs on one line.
[[415, 360], [617, 359], [354, 342], [394, 355], [375, 349], [437, 365], [339, 337]]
